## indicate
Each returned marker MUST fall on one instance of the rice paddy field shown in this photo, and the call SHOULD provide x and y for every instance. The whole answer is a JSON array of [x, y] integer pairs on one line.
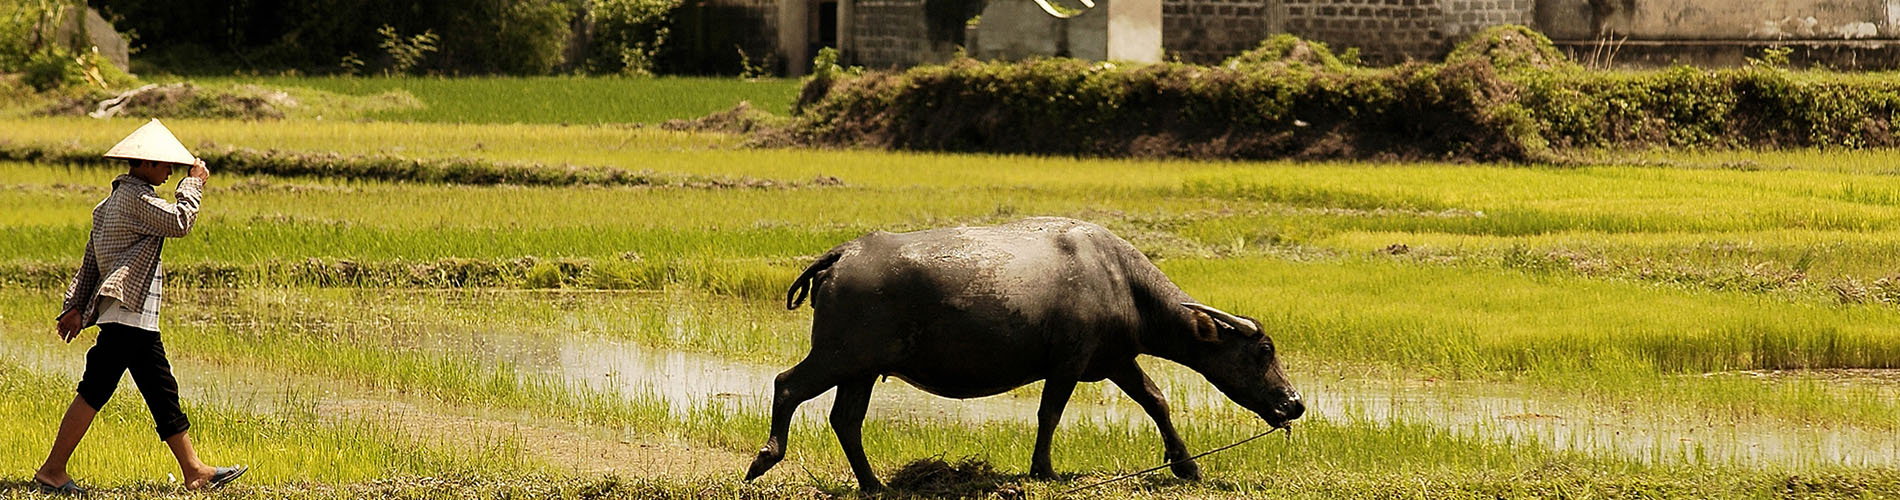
[[1649, 324]]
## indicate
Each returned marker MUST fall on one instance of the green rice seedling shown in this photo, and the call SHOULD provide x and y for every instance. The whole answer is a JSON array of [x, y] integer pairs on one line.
[[281, 447]]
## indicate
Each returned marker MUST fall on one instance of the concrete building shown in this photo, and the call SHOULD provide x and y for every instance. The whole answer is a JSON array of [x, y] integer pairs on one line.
[[1846, 34]]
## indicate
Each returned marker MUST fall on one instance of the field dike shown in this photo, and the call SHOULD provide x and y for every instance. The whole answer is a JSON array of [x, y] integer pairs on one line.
[[740, 279], [462, 171], [1504, 95]]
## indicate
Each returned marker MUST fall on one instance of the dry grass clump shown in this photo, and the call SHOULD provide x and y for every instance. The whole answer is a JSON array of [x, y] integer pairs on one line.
[[968, 477]]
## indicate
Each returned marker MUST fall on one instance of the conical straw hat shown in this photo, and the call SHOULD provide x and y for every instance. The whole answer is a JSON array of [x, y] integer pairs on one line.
[[152, 142]]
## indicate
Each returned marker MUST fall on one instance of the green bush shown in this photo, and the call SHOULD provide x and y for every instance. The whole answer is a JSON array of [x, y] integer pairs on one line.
[[1504, 95], [50, 70], [1060, 106], [1287, 49], [28, 47], [1511, 47], [629, 35]]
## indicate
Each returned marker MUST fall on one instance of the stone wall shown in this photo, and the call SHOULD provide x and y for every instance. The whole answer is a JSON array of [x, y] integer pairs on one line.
[[1464, 18], [1208, 31], [1392, 31], [1385, 31], [889, 33]]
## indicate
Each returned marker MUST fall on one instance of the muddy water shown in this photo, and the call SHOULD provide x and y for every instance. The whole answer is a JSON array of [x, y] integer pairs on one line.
[[686, 380]]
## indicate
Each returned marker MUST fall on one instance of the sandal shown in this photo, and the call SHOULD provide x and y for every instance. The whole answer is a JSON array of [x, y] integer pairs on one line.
[[224, 476], [70, 488]]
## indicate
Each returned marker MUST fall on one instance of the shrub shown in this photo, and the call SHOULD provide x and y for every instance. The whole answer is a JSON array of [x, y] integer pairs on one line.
[[1511, 47], [1287, 49], [629, 34], [404, 53], [1504, 95], [1057, 106], [52, 69]]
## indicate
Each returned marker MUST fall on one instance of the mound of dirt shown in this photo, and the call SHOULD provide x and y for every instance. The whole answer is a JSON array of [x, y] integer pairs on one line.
[[182, 100], [1288, 50], [967, 478], [1511, 47], [741, 119]]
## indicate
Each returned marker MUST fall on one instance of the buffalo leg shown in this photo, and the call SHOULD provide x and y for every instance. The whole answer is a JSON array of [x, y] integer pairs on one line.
[[847, 419], [802, 382], [1055, 396], [1139, 388]]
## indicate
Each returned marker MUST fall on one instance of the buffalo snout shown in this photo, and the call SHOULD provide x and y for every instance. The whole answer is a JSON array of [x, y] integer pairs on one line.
[[1289, 409]]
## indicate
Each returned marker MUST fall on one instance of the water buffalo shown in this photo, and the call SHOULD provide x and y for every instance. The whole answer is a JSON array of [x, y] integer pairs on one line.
[[975, 311]]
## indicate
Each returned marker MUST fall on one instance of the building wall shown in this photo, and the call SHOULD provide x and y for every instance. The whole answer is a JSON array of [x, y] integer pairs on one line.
[[1392, 31], [1466, 17], [1705, 20], [893, 33], [1209, 31], [889, 33]]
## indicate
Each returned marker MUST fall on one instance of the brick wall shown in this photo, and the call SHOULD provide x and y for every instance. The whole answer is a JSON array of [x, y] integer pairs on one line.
[[1208, 31], [1385, 31], [890, 33], [1465, 17], [1391, 31]]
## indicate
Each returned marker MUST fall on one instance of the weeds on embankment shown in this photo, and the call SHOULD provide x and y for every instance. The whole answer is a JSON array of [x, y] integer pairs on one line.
[[550, 100], [1504, 95], [465, 171]]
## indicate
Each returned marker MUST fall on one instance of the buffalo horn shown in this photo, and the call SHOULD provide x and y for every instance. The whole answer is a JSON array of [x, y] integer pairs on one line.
[[1245, 325]]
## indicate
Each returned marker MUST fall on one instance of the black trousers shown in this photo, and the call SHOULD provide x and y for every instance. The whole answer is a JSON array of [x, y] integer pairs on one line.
[[123, 348]]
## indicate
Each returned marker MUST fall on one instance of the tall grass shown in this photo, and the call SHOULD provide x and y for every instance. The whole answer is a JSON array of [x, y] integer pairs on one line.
[[281, 446], [1454, 320], [1321, 452]]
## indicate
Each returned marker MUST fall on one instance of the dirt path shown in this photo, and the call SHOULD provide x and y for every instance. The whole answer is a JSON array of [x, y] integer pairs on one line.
[[578, 448]]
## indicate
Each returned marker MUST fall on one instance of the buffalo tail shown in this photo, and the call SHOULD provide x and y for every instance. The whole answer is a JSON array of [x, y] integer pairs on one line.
[[809, 280]]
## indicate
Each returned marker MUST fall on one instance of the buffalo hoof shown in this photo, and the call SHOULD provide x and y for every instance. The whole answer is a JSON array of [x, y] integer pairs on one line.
[[767, 458], [1043, 472], [1186, 470]]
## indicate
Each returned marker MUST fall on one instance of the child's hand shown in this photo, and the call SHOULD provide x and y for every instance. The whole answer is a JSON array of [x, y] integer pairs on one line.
[[69, 325]]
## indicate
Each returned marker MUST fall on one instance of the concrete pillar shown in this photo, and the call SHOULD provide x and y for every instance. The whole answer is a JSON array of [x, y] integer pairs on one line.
[[794, 24], [1134, 30], [847, 45]]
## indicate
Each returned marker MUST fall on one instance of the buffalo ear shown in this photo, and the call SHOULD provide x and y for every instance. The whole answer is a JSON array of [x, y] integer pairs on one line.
[[1205, 328]]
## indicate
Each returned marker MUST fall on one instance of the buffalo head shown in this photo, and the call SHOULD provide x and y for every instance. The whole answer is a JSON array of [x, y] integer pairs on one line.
[[1238, 358]]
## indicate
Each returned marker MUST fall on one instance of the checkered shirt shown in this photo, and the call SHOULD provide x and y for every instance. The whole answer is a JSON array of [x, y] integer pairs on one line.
[[128, 232]]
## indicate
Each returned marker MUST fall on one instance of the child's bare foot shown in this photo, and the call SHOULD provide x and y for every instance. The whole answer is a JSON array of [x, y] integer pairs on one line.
[[213, 477]]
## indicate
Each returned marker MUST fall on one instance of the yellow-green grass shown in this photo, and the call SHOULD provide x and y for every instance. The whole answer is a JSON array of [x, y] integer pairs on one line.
[[1321, 451], [122, 449], [1335, 325], [555, 100], [1374, 198], [1291, 243]]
